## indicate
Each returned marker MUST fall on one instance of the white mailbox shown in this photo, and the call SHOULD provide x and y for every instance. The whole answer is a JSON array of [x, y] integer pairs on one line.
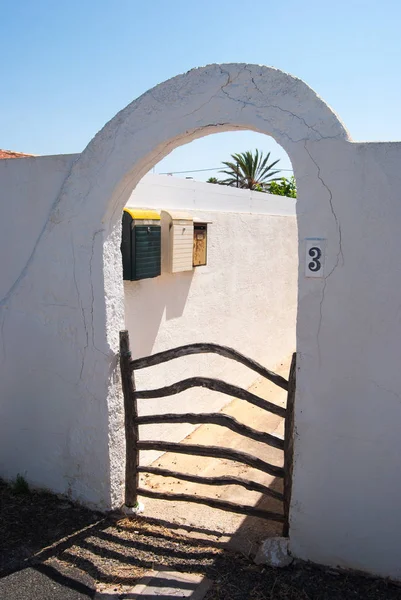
[[177, 241]]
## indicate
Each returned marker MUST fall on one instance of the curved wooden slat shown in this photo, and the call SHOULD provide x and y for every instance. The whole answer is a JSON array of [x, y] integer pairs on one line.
[[213, 452], [220, 504], [214, 419], [215, 385], [201, 348], [252, 486]]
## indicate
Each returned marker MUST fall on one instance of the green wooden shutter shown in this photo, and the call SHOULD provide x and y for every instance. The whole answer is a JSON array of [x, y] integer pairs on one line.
[[146, 259]]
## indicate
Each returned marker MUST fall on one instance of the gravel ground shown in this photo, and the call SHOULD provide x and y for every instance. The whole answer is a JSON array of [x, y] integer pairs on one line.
[[31, 521], [114, 553]]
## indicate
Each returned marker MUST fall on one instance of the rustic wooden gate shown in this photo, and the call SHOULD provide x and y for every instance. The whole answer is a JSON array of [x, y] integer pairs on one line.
[[134, 444]]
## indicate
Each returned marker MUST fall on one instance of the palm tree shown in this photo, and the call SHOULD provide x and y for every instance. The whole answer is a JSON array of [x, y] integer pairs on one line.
[[250, 171]]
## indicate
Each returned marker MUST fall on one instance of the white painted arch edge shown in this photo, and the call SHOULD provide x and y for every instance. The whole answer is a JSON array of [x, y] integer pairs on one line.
[[201, 102]]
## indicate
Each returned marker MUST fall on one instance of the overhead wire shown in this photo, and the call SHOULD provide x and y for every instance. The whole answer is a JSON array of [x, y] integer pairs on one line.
[[203, 170]]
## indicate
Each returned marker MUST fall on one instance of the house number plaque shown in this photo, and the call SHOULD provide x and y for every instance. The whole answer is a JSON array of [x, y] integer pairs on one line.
[[314, 257]]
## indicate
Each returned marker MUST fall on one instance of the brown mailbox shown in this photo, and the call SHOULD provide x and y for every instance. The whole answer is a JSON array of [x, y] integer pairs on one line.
[[200, 244]]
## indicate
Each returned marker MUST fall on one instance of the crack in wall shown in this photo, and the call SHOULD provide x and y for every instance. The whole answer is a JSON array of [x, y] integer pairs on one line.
[[381, 387], [222, 89], [93, 291], [265, 106], [279, 108], [243, 104], [338, 225], [21, 276], [25, 268], [229, 82], [81, 306], [340, 249], [3, 342], [284, 110]]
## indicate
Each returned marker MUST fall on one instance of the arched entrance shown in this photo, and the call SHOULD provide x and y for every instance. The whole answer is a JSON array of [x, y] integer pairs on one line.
[[198, 103]]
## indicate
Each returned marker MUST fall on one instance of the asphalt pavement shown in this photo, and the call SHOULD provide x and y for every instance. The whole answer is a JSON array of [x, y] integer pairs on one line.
[[44, 583]]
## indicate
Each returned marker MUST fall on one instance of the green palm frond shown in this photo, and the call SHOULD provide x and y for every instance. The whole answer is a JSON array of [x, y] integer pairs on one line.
[[250, 170]]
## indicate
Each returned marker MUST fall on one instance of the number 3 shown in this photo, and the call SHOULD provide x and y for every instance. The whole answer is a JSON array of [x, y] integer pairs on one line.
[[315, 265]]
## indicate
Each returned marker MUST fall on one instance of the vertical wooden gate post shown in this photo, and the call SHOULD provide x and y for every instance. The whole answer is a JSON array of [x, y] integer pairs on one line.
[[289, 444], [131, 424]]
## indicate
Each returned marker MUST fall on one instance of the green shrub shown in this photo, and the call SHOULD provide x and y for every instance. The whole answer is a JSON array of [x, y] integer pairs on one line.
[[20, 485]]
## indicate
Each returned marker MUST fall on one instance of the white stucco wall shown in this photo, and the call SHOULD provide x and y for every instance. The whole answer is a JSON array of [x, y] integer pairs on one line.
[[346, 489], [42, 422], [250, 277], [36, 414], [28, 190], [61, 318]]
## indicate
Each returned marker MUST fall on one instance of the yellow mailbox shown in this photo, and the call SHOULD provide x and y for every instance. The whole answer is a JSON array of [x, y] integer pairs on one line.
[[140, 244]]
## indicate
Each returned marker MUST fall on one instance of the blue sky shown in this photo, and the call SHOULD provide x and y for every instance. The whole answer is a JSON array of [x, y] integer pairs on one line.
[[68, 67]]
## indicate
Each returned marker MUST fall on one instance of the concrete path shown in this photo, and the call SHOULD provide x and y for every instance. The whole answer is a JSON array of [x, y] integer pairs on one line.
[[240, 532], [163, 584]]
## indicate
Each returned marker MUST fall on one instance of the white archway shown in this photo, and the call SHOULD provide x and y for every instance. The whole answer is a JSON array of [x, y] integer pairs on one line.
[[60, 316], [203, 101], [83, 232]]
